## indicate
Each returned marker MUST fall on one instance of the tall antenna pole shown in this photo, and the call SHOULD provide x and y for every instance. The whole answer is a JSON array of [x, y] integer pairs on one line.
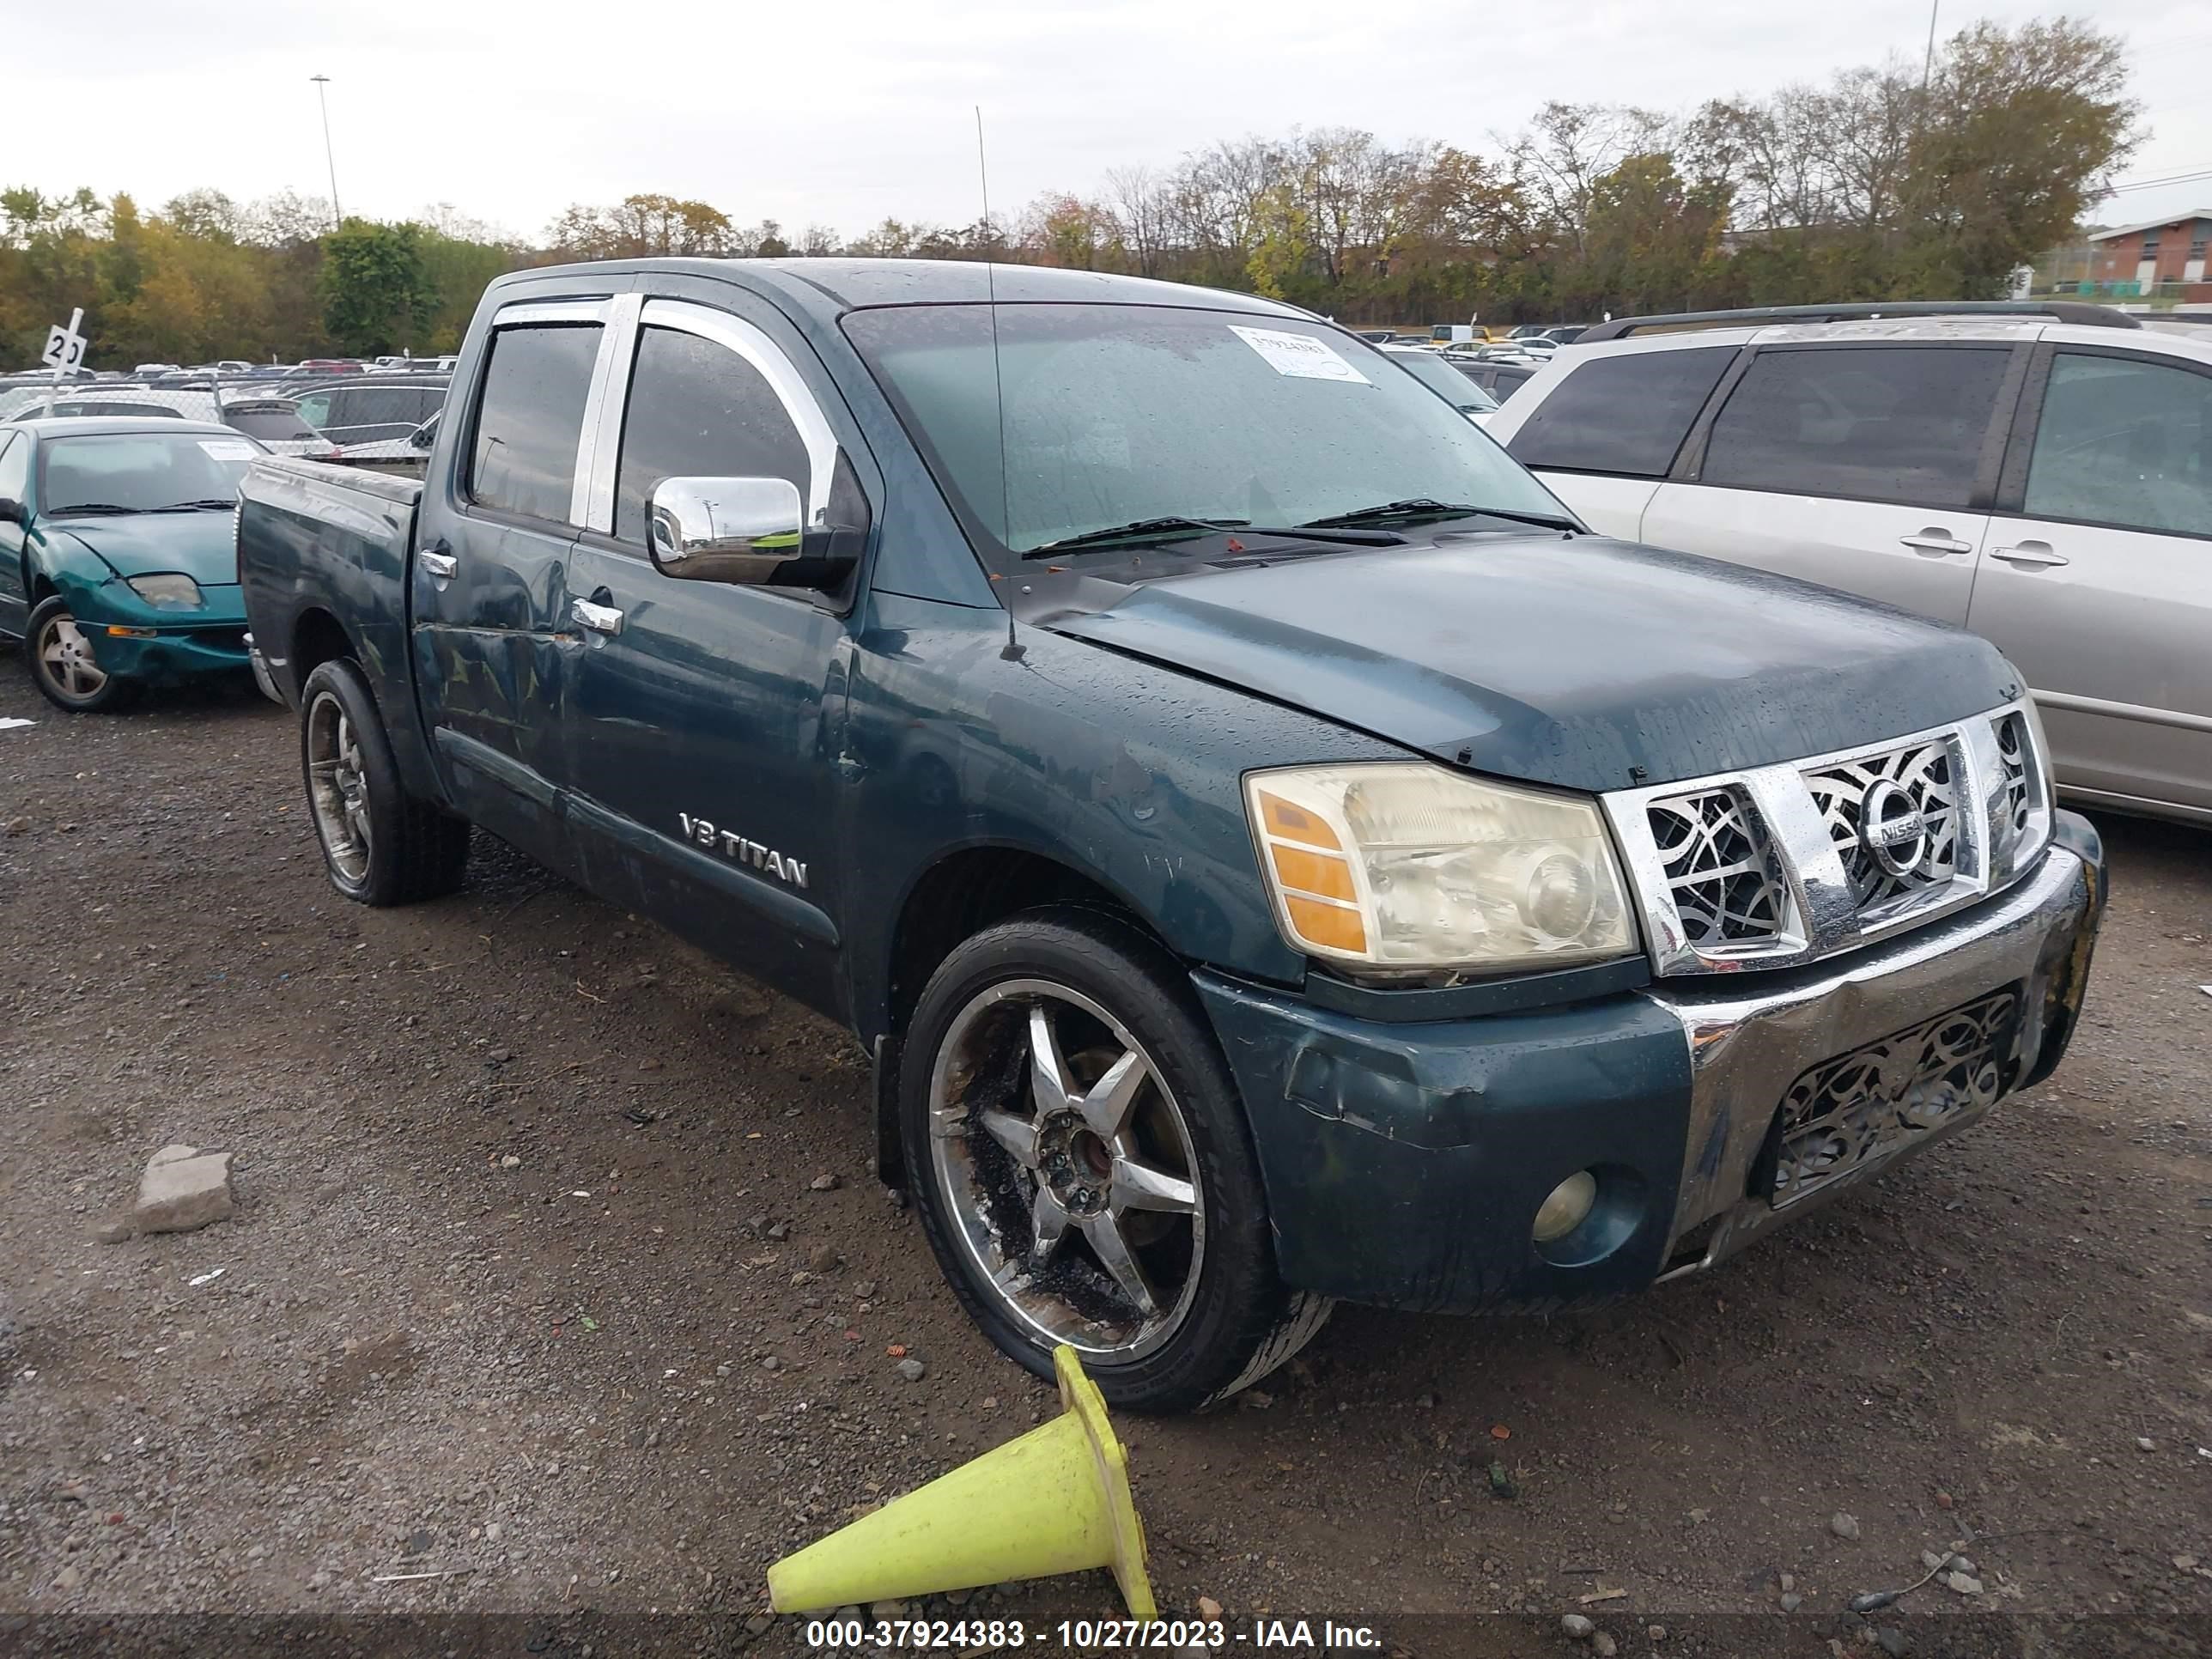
[[1928, 63], [1013, 650], [329, 156]]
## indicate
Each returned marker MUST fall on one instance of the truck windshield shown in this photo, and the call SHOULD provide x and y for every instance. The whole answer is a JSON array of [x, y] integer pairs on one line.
[[1118, 414]]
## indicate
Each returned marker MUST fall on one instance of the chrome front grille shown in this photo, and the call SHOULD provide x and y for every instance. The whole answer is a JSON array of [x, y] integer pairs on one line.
[[1924, 779], [1720, 871], [1786, 864]]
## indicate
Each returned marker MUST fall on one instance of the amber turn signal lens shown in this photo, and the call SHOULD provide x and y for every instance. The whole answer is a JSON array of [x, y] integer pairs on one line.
[[1279, 817], [1326, 925]]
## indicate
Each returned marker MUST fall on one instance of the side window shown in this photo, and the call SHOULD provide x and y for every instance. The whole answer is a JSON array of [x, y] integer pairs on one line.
[[523, 459], [14, 466], [1884, 423], [2121, 442], [696, 409], [315, 409], [1627, 414]]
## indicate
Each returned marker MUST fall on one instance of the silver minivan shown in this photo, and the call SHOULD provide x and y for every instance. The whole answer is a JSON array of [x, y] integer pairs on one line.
[[2042, 476]]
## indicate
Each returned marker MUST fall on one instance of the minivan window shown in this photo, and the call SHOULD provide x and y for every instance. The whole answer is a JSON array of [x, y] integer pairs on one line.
[[531, 413], [2121, 442], [1626, 413], [696, 409], [1115, 415], [1882, 423]]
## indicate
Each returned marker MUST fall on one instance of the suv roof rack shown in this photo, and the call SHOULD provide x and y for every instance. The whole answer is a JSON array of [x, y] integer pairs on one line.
[[2063, 311]]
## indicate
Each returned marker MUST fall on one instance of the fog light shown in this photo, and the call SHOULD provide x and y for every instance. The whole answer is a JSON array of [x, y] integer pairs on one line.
[[1567, 1208]]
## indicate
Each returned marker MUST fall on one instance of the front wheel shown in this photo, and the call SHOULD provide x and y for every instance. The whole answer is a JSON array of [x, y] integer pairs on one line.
[[1083, 1168], [381, 845], [63, 666]]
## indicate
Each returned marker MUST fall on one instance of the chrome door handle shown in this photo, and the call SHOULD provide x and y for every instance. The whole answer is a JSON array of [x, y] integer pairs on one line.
[[599, 618], [1935, 540], [2036, 554], [438, 564]]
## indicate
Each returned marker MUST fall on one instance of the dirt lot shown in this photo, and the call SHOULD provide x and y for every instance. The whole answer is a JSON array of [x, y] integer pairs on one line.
[[529, 1278]]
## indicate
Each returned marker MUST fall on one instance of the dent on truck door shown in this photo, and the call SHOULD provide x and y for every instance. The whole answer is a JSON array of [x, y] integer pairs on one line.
[[699, 714], [489, 600]]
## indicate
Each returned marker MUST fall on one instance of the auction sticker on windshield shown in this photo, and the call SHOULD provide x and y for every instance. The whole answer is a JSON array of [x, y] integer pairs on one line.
[[226, 449], [1298, 355]]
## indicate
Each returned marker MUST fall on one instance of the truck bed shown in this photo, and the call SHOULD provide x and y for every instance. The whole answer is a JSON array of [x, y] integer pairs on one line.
[[326, 548]]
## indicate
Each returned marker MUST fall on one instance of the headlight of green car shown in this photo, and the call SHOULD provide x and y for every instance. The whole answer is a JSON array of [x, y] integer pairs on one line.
[[168, 592]]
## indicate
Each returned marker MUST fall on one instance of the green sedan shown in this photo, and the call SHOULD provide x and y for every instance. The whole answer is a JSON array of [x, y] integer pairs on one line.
[[117, 556]]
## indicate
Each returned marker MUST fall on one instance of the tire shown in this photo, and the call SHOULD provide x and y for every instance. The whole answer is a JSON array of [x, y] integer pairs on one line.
[[1129, 1142], [381, 845], [62, 666]]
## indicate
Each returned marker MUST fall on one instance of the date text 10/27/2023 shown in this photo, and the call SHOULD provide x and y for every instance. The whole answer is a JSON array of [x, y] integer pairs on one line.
[[1086, 1635]]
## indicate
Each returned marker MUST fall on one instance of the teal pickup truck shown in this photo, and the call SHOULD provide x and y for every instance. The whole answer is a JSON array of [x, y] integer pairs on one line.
[[1271, 851], [118, 565]]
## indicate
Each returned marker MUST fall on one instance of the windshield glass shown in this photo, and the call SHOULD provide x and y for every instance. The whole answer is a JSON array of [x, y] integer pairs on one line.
[[1117, 413], [141, 471], [1436, 372]]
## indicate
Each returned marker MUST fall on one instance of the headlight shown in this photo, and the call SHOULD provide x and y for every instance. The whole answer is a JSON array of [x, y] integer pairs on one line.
[[1409, 868], [168, 592]]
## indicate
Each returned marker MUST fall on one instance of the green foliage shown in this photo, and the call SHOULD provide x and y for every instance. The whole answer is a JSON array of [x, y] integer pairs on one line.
[[377, 293]]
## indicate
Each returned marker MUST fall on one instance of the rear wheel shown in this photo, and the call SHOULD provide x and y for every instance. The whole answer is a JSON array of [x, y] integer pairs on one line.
[[381, 845], [62, 665], [1083, 1169]]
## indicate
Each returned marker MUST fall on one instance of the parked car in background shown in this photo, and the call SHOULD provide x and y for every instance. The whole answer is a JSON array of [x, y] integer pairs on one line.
[[273, 421], [1268, 858], [370, 408], [410, 453], [2042, 475], [1444, 376], [1500, 378], [118, 560]]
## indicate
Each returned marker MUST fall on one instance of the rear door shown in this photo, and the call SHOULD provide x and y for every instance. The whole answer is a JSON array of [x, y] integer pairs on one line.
[[1866, 467], [491, 630], [700, 715], [2097, 577], [15, 486], [1607, 430]]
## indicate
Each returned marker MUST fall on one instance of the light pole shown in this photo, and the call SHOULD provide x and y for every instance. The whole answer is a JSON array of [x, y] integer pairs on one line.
[[323, 99], [1927, 64]]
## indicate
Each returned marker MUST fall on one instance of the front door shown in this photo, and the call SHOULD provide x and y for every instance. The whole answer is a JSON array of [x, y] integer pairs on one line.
[[2097, 581], [701, 716], [491, 634], [1866, 468]]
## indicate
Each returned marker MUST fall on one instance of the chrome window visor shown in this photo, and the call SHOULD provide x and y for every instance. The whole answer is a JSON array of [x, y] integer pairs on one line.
[[1821, 914], [611, 313], [595, 504]]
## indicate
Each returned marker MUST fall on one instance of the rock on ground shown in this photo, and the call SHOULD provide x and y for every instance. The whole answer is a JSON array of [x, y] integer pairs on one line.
[[183, 1188]]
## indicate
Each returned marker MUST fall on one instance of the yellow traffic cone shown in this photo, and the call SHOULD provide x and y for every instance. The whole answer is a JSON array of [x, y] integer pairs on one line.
[[1056, 1500]]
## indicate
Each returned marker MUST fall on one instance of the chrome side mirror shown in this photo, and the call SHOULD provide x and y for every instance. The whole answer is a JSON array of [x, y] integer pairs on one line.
[[724, 530]]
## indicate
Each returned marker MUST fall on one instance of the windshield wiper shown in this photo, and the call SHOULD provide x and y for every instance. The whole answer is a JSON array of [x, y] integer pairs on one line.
[[1183, 529], [76, 507], [1153, 530], [1421, 506], [193, 507]]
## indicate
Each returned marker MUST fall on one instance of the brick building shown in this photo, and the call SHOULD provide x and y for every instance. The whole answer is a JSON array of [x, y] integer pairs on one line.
[[2164, 257]]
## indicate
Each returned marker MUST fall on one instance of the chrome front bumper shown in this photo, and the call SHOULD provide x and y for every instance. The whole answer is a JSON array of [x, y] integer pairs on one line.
[[1747, 1049]]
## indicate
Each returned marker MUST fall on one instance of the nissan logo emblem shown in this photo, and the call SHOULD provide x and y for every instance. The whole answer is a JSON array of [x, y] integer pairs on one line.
[[1892, 829]]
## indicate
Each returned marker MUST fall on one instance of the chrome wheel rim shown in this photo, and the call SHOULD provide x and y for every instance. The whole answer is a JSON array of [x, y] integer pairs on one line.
[[1067, 1170], [338, 786], [65, 659]]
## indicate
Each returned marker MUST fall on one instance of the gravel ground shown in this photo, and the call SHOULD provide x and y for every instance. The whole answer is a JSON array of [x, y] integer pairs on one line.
[[532, 1284]]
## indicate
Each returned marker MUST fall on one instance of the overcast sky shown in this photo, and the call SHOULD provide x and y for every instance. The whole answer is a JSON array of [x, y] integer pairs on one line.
[[841, 113]]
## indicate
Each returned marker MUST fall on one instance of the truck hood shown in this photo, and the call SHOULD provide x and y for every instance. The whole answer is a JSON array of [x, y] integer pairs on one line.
[[1586, 664], [200, 544]]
